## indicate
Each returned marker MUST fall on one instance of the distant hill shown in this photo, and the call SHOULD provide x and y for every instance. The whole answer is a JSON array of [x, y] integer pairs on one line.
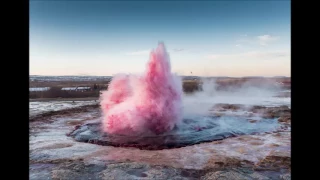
[[101, 78], [68, 78]]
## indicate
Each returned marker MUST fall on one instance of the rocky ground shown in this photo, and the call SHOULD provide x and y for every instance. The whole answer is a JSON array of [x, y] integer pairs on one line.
[[54, 155]]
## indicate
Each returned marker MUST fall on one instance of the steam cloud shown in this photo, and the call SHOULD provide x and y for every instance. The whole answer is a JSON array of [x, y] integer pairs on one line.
[[146, 104], [154, 103]]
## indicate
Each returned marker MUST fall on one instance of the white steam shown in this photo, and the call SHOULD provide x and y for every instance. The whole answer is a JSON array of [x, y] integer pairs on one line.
[[247, 94]]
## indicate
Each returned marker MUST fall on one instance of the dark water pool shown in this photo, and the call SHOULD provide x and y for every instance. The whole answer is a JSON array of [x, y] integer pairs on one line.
[[192, 131]]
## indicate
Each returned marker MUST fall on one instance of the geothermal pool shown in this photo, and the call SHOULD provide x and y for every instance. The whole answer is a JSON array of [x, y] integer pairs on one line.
[[192, 131]]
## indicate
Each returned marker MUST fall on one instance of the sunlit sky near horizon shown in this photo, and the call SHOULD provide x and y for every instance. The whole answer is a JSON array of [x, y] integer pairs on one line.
[[207, 38]]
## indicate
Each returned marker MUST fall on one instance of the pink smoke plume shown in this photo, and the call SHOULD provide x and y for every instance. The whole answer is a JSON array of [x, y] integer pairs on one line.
[[150, 103]]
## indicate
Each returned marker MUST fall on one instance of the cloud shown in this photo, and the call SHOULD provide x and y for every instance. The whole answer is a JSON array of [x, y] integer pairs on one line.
[[138, 53], [250, 55], [262, 40], [266, 39]]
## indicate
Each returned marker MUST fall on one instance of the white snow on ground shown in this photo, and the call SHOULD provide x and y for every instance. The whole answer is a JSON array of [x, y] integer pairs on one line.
[[41, 107], [254, 100], [74, 88], [39, 89], [69, 88]]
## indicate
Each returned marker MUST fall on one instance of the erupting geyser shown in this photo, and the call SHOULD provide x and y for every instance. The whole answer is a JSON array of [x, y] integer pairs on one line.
[[146, 112], [146, 104]]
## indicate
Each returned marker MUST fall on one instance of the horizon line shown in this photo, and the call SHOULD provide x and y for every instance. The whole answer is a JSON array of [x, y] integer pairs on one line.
[[179, 75]]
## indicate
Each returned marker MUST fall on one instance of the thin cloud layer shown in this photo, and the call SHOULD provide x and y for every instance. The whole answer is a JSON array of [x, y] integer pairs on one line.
[[266, 39], [250, 55], [262, 40]]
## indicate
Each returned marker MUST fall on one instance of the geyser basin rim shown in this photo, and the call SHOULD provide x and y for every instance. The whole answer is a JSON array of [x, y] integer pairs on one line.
[[188, 134]]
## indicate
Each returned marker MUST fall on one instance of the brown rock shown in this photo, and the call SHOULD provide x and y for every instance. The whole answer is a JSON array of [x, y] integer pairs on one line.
[[252, 120], [285, 119], [275, 160]]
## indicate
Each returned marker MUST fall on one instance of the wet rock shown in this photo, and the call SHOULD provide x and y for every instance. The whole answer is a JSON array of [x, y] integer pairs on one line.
[[231, 107], [218, 163], [64, 174], [274, 145], [271, 112], [284, 95], [144, 171], [256, 143], [77, 171], [74, 122], [257, 109], [285, 119], [275, 160], [252, 120], [285, 177], [40, 171], [234, 174]]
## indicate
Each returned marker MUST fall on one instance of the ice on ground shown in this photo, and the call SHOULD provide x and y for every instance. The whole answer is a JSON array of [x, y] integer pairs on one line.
[[36, 108], [39, 89]]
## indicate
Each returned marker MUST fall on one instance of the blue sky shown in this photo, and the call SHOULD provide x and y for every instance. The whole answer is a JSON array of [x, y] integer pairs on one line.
[[207, 38]]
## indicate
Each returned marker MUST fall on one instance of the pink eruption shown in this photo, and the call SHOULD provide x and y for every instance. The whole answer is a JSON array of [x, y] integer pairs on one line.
[[150, 103]]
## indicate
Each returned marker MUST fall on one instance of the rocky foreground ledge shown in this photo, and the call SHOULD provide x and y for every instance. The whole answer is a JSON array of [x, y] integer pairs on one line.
[[54, 155]]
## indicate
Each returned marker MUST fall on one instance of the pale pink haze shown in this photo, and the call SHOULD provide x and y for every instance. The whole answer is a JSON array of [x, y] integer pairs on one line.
[[144, 104]]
